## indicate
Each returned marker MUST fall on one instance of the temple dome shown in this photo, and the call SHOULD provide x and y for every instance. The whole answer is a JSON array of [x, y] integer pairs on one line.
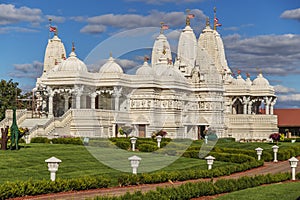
[[145, 70], [72, 63], [260, 81], [240, 81], [111, 67]]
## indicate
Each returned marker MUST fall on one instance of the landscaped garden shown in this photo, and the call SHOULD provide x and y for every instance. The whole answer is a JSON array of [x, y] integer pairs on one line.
[[24, 172]]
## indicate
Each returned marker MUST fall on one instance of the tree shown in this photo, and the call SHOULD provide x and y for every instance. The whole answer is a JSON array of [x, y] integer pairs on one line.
[[9, 93]]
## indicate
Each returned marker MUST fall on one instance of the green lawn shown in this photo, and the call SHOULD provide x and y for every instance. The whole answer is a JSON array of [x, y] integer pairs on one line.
[[280, 191], [29, 162]]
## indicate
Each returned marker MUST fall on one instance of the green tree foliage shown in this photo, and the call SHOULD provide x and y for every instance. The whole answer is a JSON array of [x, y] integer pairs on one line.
[[9, 93]]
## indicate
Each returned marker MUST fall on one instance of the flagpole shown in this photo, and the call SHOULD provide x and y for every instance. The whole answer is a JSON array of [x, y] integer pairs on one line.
[[215, 16], [50, 20]]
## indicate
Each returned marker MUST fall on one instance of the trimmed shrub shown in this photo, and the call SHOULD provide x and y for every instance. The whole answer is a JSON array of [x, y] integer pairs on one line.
[[123, 144], [40, 140], [147, 147], [76, 141]]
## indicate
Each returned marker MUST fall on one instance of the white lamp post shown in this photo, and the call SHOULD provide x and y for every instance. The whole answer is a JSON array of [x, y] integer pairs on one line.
[[275, 150], [134, 162], [53, 164], [205, 139], [133, 141], [293, 162], [210, 161], [259, 152], [158, 138]]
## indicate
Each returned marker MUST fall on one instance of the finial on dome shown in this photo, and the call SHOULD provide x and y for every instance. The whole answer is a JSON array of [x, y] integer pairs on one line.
[[207, 22], [146, 58], [73, 47], [238, 72], [163, 27], [248, 75], [110, 54], [188, 20]]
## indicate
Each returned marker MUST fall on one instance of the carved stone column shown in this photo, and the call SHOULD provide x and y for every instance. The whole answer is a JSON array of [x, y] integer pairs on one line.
[[267, 104], [117, 94], [78, 93], [272, 106], [66, 97], [50, 106], [93, 98]]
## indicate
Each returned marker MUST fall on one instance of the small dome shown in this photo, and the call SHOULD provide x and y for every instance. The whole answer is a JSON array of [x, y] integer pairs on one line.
[[111, 67], [248, 81], [172, 74], [145, 70], [72, 63], [240, 81], [260, 81]]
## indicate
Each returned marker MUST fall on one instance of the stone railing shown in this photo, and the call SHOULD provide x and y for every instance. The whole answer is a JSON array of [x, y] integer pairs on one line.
[[20, 114], [255, 119]]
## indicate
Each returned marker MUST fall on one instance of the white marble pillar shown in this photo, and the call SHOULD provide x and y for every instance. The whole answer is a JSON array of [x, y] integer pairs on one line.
[[66, 97], [93, 100], [78, 95], [250, 107], [272, 106], [50, 107]]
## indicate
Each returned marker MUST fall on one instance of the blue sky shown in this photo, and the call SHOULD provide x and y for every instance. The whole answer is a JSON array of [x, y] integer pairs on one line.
[[258, 35]]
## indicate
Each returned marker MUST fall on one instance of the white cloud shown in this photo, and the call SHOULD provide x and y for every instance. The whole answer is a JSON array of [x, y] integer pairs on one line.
[[16, 29], [56, 19], [159, 2], [97, 24], [273, 54], [291, 14], [291, 97], [27, 70], [125, 63], [9, 14], [93, 29], [282, 89]]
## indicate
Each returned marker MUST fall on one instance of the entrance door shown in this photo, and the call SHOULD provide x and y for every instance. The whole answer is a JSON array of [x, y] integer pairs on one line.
[[201, 130], [142, 130]]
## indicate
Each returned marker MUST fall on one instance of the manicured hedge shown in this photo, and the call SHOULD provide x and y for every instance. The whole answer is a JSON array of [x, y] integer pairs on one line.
[[182, 175], [40, 140], [203, 188], [34, 187], [76, 140]]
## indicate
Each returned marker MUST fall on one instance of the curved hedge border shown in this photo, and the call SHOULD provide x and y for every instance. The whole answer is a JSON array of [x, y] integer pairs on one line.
[[203, 188], [182, 175], [37, 187]]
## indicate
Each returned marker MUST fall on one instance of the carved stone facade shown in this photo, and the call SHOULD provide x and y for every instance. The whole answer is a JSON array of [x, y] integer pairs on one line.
[[186, 98]]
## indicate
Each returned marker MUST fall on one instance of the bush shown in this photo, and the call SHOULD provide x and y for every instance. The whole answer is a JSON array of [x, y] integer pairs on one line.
[[147, 147], [30, 187], [40, 140], [123, 144], [76, 141]]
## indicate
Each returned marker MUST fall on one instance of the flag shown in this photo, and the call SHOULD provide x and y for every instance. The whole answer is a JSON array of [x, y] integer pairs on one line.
[[216, 20], [52, 29], [165, 27], [191, 16]]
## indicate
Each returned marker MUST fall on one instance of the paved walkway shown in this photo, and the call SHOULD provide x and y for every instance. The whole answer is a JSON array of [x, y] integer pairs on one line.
[[269, 167]]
